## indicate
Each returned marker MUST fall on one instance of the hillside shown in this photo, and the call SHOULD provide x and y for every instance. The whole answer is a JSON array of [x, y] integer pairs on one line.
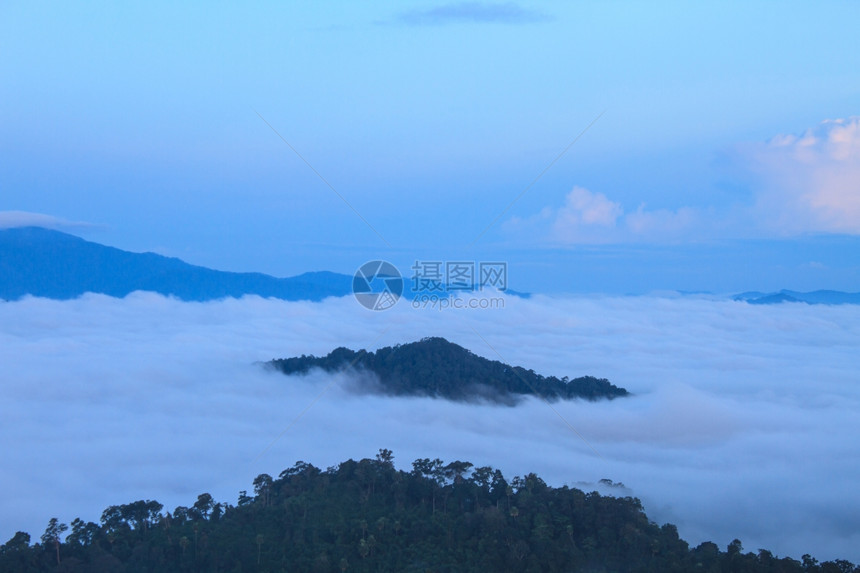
[[440, 369], [368, 516], [51, 264]]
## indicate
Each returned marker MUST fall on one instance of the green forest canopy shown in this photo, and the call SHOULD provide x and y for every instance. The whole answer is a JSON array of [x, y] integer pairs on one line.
[[368, 516], [437, 368]]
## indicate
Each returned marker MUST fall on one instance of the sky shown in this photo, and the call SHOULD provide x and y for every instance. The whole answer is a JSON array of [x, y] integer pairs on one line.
[[742, 423], [597, 147]]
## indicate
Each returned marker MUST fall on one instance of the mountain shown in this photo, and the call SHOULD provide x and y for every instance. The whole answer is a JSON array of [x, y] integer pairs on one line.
[[440, 369], [368, 516], [814, 297], [52, 264]]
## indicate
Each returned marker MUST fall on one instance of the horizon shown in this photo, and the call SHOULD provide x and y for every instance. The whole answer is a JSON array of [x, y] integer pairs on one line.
[[776, 283]]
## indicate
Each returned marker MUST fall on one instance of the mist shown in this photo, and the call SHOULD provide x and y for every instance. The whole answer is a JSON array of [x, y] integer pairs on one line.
[[743, 421]]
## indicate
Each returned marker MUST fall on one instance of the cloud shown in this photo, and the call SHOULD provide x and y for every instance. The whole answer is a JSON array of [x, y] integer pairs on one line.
[[808, 183], [743, 424], [472, 12], [582, 207], [589, 217], [13, 219], [803, 184]]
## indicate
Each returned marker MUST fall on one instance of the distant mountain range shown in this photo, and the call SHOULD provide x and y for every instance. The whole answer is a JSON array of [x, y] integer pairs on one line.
[[51, 264], [437, 368], [815, 297]]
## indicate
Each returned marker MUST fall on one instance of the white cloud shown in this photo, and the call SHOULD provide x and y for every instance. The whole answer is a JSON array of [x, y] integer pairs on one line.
[[584, 217], [13, 219], [589, 217], [743, 425], [582, 208], [804, 184], [811, 182]]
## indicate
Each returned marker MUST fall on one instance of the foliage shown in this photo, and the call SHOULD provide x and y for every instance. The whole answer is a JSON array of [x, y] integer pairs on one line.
[[368, 516], [441, 369]]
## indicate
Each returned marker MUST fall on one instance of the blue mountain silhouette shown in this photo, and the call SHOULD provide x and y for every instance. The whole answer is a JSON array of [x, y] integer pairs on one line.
[[814, 297], [51, 264]]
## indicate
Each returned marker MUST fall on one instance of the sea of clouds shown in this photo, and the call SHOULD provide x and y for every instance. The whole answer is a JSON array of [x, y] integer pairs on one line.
[[744, 421]]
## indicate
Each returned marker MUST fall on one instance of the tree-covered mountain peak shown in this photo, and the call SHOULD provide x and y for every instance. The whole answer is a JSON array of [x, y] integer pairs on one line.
[[438, 368], [367, 515]]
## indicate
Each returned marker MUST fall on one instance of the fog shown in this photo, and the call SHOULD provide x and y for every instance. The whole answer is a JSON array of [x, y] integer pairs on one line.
[[743, 423]]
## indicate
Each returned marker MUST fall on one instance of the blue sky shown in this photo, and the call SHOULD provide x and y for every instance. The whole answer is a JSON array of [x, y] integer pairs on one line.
[[724, 155]]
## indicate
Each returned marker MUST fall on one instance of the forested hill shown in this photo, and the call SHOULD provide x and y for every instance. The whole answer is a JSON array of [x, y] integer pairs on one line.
[[441, 369], [368, 516]]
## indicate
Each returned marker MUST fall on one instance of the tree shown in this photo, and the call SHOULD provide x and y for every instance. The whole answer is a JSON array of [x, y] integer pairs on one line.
[[735, 548], [259, 540], [112, 519], [217, 511], [16, 553], [141, 514], [244, 498], [203, 506], [454, 471], [19, 542], [810, 564], [263, 488], [499, 487], [483, 477], [52, 535], [83, 533], [838, 566], [138, 515], [181, 514], [431, 470], [385, 458]]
